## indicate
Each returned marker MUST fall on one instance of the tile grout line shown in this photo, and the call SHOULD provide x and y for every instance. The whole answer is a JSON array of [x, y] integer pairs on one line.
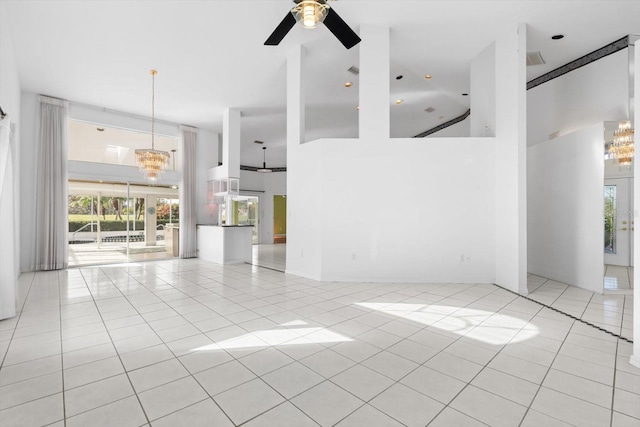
[[64, 402], [4, 358], [571, 316], [613, 387], [176, 357], [419, 364], [545, 376], [480, 371], [117, 352]]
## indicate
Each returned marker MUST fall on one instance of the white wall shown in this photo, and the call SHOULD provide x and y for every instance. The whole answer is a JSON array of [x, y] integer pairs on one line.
[[565, 177], [265, 186], [305, 210], [10, 102], [376, 209], [206, 158], [483, 93], [635, 358], [405, 214], [28, 129], [458, 130], [591, 94]]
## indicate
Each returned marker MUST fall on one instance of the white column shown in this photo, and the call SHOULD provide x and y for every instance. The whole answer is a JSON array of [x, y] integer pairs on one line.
[[511, 161], [295, 137], [635, 358], [231, 142], [150, 221], [295, 98], [374, 120]]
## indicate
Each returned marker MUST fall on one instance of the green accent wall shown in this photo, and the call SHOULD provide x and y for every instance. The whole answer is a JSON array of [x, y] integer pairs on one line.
[[279, 215], [234, 213]]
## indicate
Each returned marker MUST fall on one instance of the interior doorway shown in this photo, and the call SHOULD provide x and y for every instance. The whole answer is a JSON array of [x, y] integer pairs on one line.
[[619, 228], [619, 223], [279, 219]]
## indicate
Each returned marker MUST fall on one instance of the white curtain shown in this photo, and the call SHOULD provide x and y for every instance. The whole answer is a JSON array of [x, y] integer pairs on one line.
[[51, 186], [188, 192], [8, 202]]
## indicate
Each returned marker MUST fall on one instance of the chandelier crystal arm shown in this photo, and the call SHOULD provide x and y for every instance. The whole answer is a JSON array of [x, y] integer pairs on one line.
[[623, 148]]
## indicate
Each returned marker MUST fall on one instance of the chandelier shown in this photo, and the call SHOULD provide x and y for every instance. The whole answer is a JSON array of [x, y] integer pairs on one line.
[[622, 148], [310, 13], [151, 161]]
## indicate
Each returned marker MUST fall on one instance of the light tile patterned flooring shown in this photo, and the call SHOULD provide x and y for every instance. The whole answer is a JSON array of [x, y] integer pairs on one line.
[[618, 279], [612, 312], [186, 342], [270, 256]]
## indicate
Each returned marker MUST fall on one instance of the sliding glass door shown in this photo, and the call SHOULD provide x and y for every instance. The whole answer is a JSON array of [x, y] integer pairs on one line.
[[118, 222]]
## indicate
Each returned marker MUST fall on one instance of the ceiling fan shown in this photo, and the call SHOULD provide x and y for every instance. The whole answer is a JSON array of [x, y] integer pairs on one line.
[[311, 13]]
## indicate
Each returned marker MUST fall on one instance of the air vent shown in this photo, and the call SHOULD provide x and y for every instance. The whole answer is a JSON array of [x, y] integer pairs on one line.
[[534, 58], [354, 70], [430, 110], [259, 142]]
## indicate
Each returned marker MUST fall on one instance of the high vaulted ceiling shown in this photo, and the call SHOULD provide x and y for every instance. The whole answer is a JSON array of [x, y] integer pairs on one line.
[[210, 56]]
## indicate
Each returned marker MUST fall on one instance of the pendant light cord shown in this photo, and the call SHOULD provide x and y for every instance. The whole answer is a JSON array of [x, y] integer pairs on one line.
[[153, 107]]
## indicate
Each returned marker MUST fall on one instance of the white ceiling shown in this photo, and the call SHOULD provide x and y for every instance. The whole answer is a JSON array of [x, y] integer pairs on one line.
[[210, 56]]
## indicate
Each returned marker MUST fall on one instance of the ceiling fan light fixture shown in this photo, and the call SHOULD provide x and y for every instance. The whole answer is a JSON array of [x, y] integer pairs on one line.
[[310, 13]]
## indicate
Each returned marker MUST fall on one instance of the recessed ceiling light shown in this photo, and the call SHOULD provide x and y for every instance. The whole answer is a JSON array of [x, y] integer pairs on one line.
[[399, 77], [358, 108], [430, 110], [465, 94], [399, 101], [427, 76], [348, 84], [100, 129], [557, 37]]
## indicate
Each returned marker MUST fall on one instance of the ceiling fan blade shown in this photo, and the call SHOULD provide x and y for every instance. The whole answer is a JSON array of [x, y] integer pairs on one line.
[[341, 30], [281, 30]]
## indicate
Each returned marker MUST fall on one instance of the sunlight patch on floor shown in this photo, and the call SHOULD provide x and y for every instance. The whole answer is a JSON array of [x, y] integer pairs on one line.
[[485, 326]]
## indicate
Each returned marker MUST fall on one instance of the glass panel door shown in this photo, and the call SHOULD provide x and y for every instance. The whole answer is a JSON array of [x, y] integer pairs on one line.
[[610, 207], [618, 221], [107, 222], [253, 204]]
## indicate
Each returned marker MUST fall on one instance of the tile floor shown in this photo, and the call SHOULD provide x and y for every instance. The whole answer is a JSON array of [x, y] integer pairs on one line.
[[109, 253], [191, 343], [612, 312], [618, 279], [270, 256]]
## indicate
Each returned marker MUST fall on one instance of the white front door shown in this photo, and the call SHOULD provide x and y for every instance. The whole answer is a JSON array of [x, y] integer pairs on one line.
[[618, 221]]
